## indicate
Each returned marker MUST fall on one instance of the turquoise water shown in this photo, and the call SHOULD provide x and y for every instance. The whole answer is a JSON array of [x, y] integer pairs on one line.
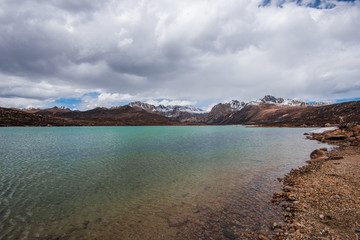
[[95, 181]]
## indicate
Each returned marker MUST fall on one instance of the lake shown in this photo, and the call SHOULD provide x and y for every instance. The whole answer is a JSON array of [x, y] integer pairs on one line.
[[168, 182]]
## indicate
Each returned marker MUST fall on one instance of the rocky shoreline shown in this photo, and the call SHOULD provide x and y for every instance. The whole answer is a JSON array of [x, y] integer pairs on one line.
[[322, 199]]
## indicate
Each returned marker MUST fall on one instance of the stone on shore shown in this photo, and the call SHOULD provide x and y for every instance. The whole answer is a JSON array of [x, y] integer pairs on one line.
[[335, 137], [317, 154], [262, 237], [321, 200]]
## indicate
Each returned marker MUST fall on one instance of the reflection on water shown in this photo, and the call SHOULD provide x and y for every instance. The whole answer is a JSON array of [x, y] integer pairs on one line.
[[206, 182]]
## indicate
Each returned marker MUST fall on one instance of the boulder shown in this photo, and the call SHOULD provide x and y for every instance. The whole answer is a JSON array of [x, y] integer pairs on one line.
[[317, 154], [356, 128], [335, 137]]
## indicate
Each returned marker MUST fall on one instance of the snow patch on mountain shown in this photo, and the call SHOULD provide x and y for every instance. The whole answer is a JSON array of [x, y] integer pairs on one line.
[[268, 99], [235, 105], [146, 106], [174, 108], [168, 110]]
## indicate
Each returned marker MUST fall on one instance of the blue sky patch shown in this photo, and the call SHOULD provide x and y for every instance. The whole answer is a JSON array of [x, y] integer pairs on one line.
[[347, 100], [68, 102], [321, 4]]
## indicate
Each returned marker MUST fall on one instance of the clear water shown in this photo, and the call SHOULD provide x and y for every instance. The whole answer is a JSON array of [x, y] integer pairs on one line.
[[137, 182]]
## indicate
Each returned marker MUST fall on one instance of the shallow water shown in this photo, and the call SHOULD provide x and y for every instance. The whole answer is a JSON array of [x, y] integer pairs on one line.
[[173, 182]]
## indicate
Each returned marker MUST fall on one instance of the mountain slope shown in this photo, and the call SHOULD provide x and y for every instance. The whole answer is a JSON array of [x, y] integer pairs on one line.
[[294, 116], [222, 112], [121, 116], [118, 116], [14, 117]]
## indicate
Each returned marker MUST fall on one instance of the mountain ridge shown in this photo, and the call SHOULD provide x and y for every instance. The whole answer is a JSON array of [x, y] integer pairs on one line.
[[190, 113], [267, 111]]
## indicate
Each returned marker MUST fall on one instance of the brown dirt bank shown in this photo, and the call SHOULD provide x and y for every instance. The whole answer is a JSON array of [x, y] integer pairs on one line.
[[322, 200]]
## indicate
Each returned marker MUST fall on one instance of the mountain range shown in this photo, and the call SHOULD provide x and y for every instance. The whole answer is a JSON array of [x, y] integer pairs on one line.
[[119, 116], [268, 111]]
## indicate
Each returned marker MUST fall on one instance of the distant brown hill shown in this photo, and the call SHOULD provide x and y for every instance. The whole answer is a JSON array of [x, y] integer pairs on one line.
[[15, 117], [121, 116], [267, 114]]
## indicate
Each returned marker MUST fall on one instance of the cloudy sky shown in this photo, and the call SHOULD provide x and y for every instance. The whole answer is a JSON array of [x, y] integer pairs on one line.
[[90, 53]]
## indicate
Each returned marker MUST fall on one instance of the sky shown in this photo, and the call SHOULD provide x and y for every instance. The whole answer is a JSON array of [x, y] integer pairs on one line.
[[89, 53]]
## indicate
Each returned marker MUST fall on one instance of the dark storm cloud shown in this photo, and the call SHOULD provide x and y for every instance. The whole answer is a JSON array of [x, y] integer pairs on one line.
[[75, 6], [31, 43]]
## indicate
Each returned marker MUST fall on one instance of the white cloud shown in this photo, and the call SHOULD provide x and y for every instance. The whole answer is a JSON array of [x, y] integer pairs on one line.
[[23, 103], [125, 42], [104, 99], [193, 50], [20, 87]]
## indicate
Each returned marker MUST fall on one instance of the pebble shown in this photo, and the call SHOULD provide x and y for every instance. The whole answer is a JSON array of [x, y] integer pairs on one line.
[[275, 225], [262, 237], [289, 198]]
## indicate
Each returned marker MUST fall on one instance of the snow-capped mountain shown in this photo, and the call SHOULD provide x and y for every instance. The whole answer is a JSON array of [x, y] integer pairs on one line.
[[219, 111], [168, 110], [172, 110], [268, 99], [235, 105], [146, 106]]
